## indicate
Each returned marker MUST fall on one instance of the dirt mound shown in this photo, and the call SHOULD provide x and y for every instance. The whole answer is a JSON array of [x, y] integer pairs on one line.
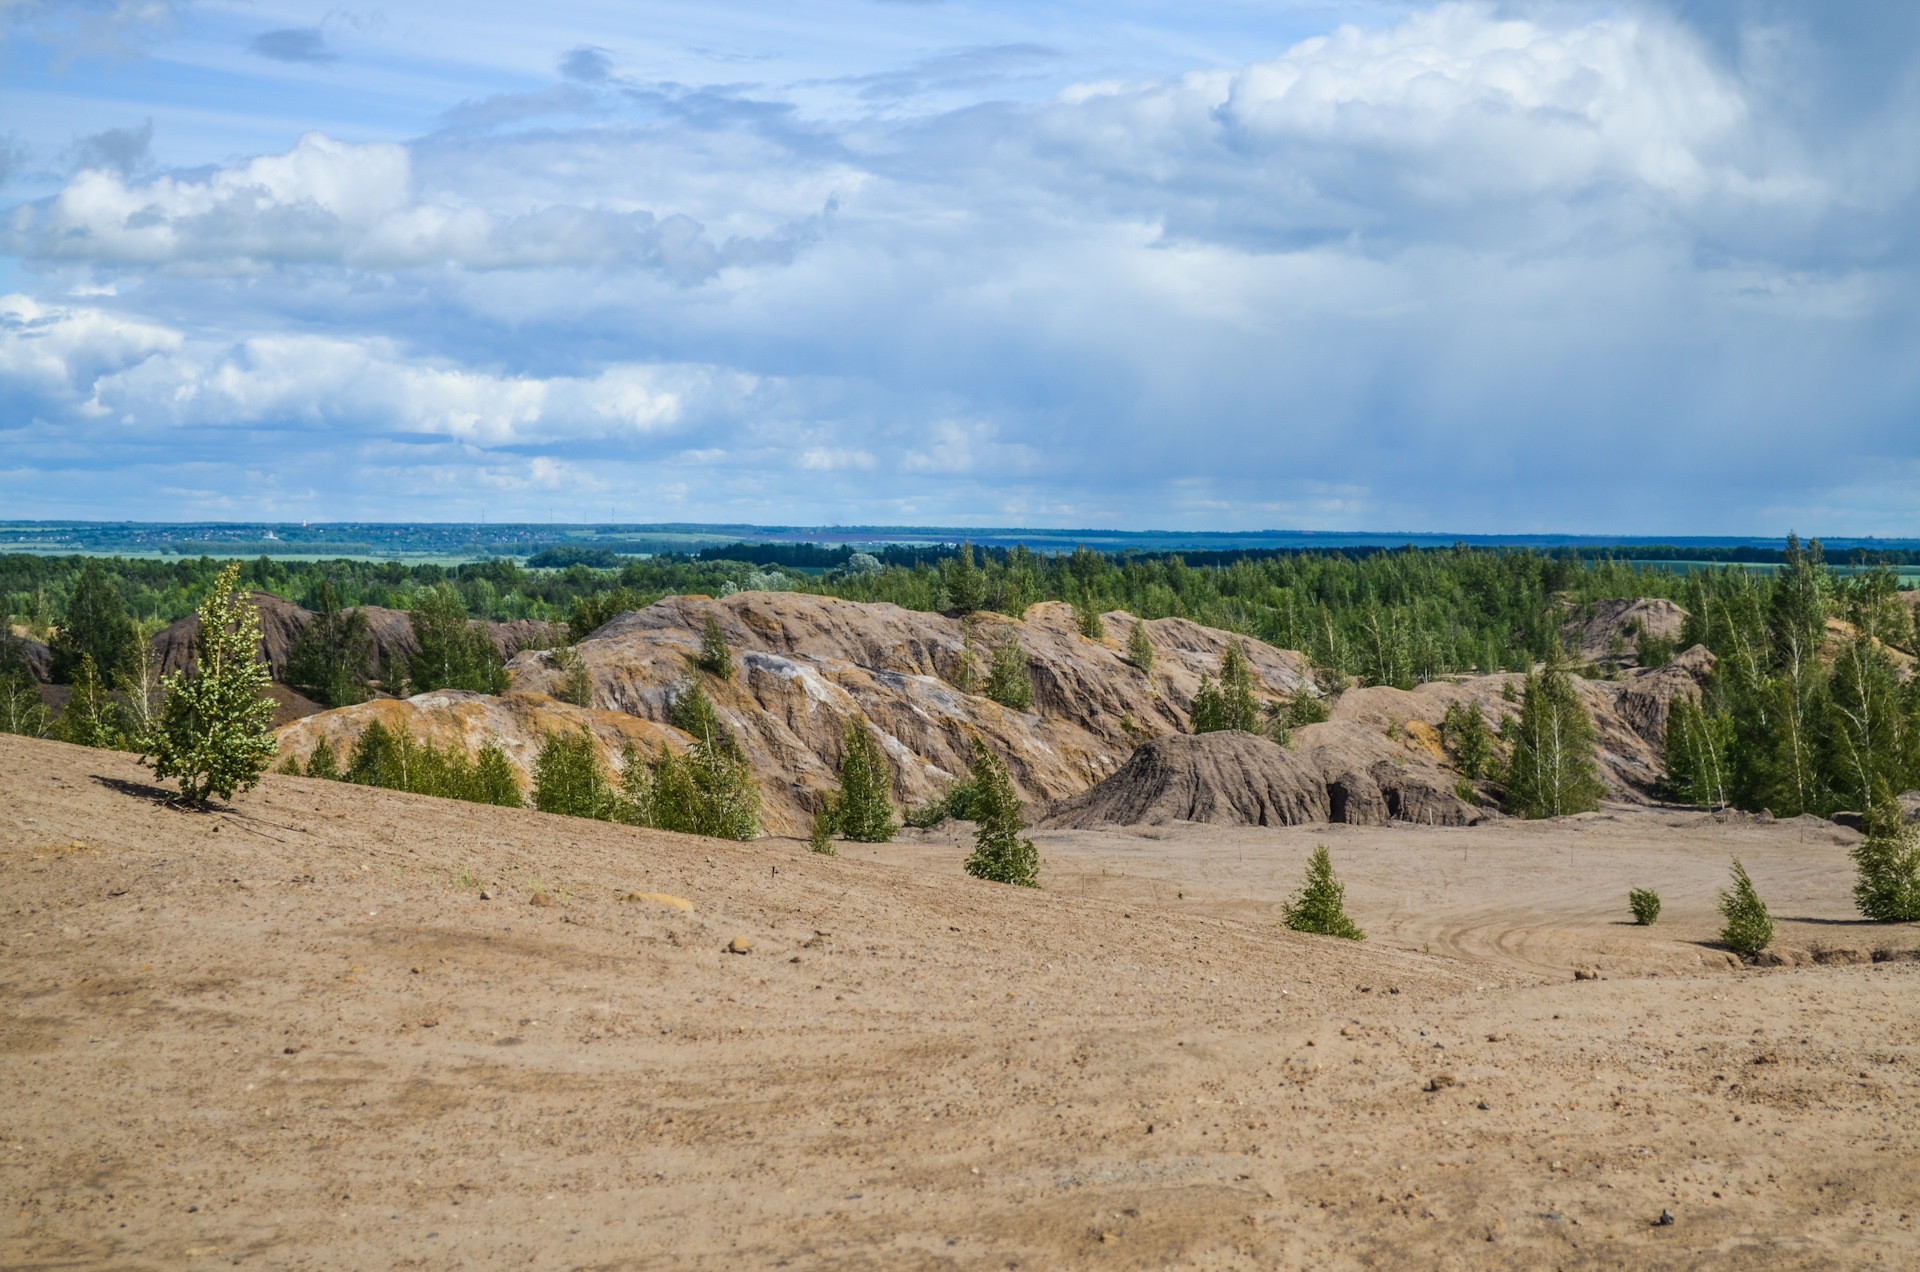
[[38, 657], [281, 623], [1224, 779], [1647, 700], [457, 719], [1593, 627], [808, 664]]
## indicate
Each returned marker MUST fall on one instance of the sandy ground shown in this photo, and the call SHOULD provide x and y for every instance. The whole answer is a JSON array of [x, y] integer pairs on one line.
[[295, 1034]]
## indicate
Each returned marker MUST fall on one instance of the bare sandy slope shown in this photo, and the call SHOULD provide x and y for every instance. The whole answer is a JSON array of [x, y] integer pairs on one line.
[[953, 1075]]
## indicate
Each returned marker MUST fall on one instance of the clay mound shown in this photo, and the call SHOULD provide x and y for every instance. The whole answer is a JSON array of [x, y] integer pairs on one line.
[[458, 720], [1223, 779], [38, 657], [805, 665], [1648, 698], [1616, 618], [281, 623]]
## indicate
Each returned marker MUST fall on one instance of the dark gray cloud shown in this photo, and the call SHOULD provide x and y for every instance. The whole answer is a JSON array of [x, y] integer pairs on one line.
[[588, 64], [124, 150], [294, 44]]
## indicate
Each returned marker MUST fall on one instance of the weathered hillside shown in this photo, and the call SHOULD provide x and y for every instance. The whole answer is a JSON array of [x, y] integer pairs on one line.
[[806, 665]]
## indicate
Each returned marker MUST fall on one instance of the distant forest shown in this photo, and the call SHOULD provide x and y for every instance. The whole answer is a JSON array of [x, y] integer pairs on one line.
[[1393, 617]]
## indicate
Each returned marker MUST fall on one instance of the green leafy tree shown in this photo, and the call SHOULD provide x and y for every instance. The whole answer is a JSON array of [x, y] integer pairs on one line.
[[139, 683], [90, 717], [453, 653], [1645, 904], [1209, 713], [329, 661], [591, 613], [1551, 772], [321, 761], [1748, 928], [716, 656], [1698, 754], [691, 712], [955, 802], [1468, 741], [1230, 704], [820, 834], [1140, 647], [568, 777], [1008, 682], [1887, 887], [215, 732], [1000, 853], [1086, 617], [96, 625], [862, 807], [966, 585], [21, 710], [378, 758], [1320, 906], [709, 791], [576, 681], [494, 779]]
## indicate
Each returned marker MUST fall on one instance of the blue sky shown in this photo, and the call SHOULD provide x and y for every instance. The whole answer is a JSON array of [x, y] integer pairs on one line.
[[1476, 268]]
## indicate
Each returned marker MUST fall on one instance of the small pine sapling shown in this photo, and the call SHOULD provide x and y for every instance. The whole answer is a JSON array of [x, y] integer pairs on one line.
[[716, 656], [1320, 906], [1749, 928], [1000, 854], [1140, 647], [215, 732], [1086, 617], [1887, 886], [863, 805], [1645, 904], [820, 835], [321, 761], [1007, 681]]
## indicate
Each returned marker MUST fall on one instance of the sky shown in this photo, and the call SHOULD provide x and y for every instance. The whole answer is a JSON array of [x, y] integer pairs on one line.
[[1536, 267]]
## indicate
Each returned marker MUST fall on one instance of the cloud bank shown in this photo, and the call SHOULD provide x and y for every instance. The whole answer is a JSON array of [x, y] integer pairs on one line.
[[1471, 268]]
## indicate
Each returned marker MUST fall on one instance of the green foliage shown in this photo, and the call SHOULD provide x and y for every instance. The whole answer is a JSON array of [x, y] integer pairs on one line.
[[966, 671], [691, 712], [1699, 754], [568, 777], [291, 768], [96, 626], [90, 717], [1209, 709], [1140, 647], [321, 761], [1000, 854], [956, 802], [1086, 618], [1652, 651], [1305, 708], [1887, 888], [1230, 704], [592, 612], [1464, 791], [139, 683], [329, 661], [716, 656], [1645, 904], [965, 585], [1551, 772], [1320, 905], [820, 835], [396, 760], [21, 710], [215, 732], [576, 681], [709, 791], [1749, 928], [862, 807], [1007, 680], [1468, 741], [454, 653]]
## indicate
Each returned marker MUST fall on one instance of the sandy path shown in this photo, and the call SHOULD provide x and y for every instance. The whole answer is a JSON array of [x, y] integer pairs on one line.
[[216, 1049]]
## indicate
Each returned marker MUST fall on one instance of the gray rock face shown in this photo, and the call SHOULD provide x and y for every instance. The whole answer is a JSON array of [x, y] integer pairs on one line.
[[1647, 700], [1223, 779], [1355, 799]]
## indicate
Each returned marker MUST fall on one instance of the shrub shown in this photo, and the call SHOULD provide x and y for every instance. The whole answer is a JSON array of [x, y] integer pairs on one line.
[[1320, 905], [576, 682], [862, 808], [1230, 704], [1304, 708], [1007, 681], [1551, 772], [1887, 889], [716, 656], [321, 762], [1468, 741], [1653, 651], [494, 779], [709, 791], [591, 613], [1749, 928], [1000, 854], [1465, 791], [568, 777], [1140, 646], [820, 836], [215, 732], [21, 710], [1699, 746], [955, 802], [1645, 904]]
